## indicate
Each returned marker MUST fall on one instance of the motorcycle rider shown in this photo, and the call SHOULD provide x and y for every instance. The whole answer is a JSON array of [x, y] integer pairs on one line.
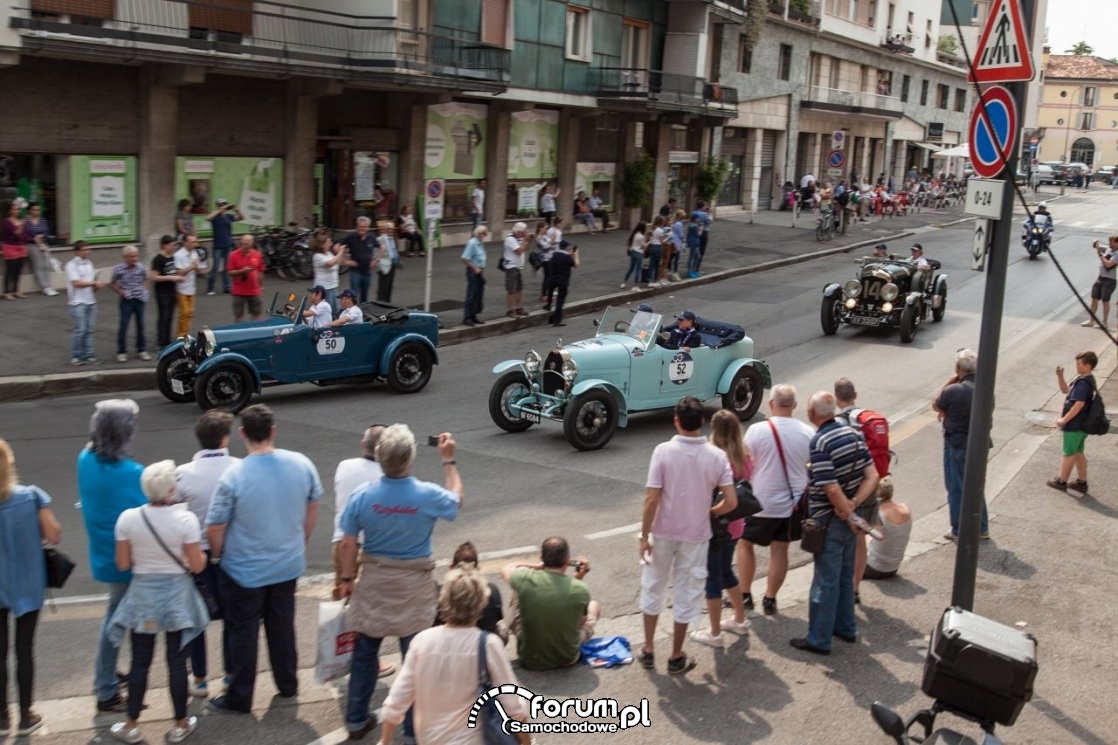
[[1042, 218]]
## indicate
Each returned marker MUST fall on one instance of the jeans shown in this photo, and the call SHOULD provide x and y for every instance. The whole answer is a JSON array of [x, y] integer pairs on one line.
[[363, 679], [219, 255], [475, 292], [954, 461], [360, 282], [702, 248], [25, 659], [245, 608], [832, 588], [560, 299], [104, 666], [130, 307], [654, 255], [384, 285], [636, 261], [81, 341], [143, 650], [165, 303], [475, 218], [693, 259], [673, 264], [545, 285]]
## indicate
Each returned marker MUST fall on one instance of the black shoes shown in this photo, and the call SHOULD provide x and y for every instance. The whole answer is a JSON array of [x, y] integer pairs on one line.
[[117, 704], [769, 606], [747, 600], [357, 734], [681, 664], [803, 645], [847, 639]]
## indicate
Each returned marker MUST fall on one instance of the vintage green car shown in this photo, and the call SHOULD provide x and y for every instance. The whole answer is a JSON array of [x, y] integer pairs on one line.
[[592, 386]]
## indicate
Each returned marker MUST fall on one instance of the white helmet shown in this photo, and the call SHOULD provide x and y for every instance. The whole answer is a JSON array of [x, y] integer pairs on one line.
[[1042, 206]]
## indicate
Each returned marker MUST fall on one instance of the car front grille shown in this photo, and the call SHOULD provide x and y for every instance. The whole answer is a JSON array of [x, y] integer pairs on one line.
[[552, 372]]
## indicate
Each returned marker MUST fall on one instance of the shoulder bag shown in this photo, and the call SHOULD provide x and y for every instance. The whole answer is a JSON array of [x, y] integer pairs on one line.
[[491, 723], [199, 585], [59, 566], [799, 506]]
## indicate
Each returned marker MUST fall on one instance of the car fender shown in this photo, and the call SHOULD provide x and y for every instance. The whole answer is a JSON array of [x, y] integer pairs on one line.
[[239, 359], [503, 367], [171, 349], [913, 298], [386, 355], [622, 406], [831, 289], [939, 287], [732, 370]]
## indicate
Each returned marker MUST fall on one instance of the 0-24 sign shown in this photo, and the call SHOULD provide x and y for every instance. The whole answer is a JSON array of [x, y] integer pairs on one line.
[[984, 198]]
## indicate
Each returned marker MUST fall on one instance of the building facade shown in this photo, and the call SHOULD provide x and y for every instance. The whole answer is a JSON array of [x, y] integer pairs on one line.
[[1078, 112]]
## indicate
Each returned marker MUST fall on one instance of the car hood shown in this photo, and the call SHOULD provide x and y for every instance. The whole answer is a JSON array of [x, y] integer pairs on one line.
[[891, 271], [251, 330], [602, 349]]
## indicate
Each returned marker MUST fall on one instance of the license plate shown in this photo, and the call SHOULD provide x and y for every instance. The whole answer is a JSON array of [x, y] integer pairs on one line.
[[863, 321], [178, 387], [530, 416]]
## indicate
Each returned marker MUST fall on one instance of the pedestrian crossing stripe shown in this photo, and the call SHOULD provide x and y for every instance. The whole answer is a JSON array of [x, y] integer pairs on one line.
[[1003, 55]]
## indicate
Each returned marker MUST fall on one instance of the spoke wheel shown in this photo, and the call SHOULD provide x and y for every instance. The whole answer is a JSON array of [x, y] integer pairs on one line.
[[178, 366], [909, 322], [228, 386], [410, 368], [829, 316], [510, 387], [591, 420], [744, 396]]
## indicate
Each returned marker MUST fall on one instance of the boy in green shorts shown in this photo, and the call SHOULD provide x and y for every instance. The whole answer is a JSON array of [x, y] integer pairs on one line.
[[1079, 394]]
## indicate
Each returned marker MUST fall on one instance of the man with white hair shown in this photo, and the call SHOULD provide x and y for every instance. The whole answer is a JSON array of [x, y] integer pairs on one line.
[[842, 477], [778, 448], [516, 243], [473, 256], [953, 404], [130, 281], [395, 594], [351, 475]]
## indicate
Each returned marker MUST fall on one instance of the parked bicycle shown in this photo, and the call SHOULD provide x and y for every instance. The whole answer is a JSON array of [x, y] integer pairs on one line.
[[825, 225]]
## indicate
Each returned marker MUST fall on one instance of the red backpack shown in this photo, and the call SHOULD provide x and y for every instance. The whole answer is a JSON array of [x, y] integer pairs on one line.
[[874, 429]]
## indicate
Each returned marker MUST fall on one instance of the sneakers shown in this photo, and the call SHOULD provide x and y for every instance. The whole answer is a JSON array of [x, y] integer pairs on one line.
[[199, 690], [178, 734], [741, 629], [950, 536], [1088, 324], [621, 286], [1058, 484], [122, 357], [1078, 485], [636, 288], [220, 703], [77, 361], [123, 733], [116, 704], [984, 535], [747, 599], [50, 292], [703, 636], [144, 356], [211, 293], [91, 360], [769, 605], [30, 724], [681, 665]]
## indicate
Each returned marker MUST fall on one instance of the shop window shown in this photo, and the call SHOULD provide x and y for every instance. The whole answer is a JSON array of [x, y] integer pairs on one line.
[[495, 22], [578, 33], [784, 70], [960, 99], [228, 20]]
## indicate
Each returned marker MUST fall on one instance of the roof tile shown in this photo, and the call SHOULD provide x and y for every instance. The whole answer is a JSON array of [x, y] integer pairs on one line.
[[1080, 67]]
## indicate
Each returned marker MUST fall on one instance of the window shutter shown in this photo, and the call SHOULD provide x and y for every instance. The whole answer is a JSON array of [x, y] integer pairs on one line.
[[89, 8], [230, 16], [494, 22]]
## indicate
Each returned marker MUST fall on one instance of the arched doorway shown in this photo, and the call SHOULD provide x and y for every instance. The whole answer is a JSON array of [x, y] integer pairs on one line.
[[1083, 151]]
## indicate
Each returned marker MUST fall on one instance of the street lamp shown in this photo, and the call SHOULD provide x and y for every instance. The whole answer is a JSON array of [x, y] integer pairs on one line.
[[1067, 136]]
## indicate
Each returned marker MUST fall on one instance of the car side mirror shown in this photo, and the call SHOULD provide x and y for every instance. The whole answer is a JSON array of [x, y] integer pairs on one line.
[[888, 720], [596, 323]]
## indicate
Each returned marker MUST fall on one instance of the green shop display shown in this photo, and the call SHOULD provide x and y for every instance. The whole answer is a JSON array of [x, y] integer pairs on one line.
[[254, 185], [600, 176], [455, 143], [532, 140], [102, 198]]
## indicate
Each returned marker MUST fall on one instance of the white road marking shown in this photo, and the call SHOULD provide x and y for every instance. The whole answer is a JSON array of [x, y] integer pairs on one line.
[[612, 532]]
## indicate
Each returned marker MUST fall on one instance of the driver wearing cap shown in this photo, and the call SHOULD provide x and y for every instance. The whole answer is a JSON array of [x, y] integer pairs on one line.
[[350, 312], [918, 257], [880, 251], [318, 315], [684, 336]]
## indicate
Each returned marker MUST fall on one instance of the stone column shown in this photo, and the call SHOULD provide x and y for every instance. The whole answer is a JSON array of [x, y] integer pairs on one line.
[[413, 151], [567, 165], [497, 169], [751, 170], [300, 129], [159, 136], [663, 153]]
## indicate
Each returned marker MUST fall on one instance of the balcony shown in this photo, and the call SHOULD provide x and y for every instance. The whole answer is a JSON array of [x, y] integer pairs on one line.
[[863, 103], [806, 13], [269, 37], [898, 44], [666, 91]]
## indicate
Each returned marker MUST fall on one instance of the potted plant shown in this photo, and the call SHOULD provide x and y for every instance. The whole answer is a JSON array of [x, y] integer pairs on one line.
[[637, 181]]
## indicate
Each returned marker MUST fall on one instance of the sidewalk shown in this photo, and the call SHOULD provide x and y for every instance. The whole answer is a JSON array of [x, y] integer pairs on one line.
[[1047, 581], [37, 329]]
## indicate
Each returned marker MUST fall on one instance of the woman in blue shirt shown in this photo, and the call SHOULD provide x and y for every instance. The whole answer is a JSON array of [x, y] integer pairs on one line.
[[26, 521]]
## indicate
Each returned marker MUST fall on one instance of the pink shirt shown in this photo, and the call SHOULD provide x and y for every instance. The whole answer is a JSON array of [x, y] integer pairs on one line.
[[687, 469]]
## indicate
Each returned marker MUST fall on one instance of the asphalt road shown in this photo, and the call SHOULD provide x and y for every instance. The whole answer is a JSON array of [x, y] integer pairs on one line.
[[521, 488]]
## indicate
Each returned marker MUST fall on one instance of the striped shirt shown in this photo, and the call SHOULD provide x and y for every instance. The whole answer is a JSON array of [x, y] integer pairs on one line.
[[837, 456], [132, 281]]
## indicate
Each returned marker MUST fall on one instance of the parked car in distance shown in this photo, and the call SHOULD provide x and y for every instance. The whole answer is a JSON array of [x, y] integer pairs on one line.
[[1047, 175], [593, 386], [1105, 174], [225, 367]]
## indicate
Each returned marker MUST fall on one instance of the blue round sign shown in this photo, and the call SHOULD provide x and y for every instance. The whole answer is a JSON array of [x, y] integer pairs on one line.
[[836, 159], [992, 128]]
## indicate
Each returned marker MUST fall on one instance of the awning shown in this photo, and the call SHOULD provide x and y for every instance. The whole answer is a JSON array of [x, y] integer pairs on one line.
[[959, 151], [928, 146]]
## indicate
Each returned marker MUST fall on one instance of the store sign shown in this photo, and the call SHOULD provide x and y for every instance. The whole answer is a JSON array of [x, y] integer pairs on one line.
[[527, 199], [454, 146], [254, 185], [198, 166], [533, 138], [933, 132], [683, 156], [108, 166], [103, 198], [107, 196]]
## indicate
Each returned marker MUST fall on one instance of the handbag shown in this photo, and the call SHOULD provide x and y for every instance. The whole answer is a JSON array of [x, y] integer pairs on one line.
[[59, 566], [384, 265], [748, 504], [484, 713], [535, 258], [501, 265], [814, 534], [199, 584]]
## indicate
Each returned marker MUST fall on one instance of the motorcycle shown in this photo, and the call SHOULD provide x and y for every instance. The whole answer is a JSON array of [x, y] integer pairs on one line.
[[891, 724], [1038, 235]]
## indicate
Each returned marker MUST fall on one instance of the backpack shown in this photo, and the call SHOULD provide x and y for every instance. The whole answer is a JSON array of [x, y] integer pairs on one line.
[[1095, 422], [874, 430]]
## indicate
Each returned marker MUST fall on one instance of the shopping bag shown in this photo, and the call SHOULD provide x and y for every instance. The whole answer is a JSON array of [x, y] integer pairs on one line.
[[606, 651], [335, 643]]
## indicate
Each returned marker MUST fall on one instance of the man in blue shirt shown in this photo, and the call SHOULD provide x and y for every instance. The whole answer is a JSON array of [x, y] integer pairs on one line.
[[396, 593], [261, 516], [702, 214], [473, 256], [222, 220], [841, 478]]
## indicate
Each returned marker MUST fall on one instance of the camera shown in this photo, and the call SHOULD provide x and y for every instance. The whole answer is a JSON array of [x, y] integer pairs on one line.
[[577, 566], [433, 440]]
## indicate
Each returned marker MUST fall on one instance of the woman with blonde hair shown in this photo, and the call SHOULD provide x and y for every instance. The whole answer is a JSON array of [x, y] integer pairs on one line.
[[26, 521], [726, 435], [441, 670], [326, 260]]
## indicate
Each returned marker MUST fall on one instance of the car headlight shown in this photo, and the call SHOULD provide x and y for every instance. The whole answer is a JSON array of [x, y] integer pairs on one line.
[[851, 303], [532, 361], [209, 342], [570, 369], [853, 288], [889, 292], [886, 307]]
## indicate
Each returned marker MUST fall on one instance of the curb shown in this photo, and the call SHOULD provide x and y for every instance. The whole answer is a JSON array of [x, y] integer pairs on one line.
[[29, 387]]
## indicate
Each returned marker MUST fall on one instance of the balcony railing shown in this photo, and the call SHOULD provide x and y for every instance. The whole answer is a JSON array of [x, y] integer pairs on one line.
[[898, 44], [664, 89], [809, 17], [271, 34], [858, 101]]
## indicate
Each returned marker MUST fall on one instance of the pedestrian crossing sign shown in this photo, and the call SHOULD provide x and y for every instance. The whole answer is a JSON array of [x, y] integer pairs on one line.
[[1004, 54]]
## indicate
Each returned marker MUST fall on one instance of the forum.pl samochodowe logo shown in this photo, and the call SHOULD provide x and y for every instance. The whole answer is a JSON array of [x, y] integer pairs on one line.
[[598, 715]]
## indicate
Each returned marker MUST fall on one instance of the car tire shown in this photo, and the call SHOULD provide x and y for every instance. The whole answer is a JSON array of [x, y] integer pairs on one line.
[[227, 386], [829, 316], [177, 366], [745, 394], [498, 401], [591, 420], [409, 370], [938, 313], [908, 324]]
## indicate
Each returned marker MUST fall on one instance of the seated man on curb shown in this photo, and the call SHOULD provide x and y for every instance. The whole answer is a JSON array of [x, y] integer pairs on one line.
[[556, 613]]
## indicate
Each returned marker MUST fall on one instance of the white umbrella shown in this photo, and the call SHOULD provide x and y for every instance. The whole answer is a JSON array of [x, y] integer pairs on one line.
[[959, 151]]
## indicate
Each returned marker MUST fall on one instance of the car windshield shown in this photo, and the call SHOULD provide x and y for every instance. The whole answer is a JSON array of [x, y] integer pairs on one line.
[[641, 326]]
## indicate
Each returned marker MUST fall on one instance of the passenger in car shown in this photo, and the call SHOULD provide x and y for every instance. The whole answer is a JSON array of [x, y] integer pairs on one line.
[[684, 336], [350, 312]]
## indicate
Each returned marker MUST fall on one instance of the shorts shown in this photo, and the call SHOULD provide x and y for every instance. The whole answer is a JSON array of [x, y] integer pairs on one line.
[[255, 307], [1074, 442], [514, 280], [1103, 289], [720, 570], [761, 531], [684, 565]]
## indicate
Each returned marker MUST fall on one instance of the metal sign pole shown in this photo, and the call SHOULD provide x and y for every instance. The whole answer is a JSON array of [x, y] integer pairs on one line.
[[982, 408]]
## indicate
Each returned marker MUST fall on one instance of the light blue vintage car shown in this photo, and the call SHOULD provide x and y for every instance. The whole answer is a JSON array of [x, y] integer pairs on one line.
[[592, 386]]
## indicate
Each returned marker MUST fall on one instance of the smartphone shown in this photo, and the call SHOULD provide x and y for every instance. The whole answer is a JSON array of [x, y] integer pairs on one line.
[[577, 566], [433, 440]]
